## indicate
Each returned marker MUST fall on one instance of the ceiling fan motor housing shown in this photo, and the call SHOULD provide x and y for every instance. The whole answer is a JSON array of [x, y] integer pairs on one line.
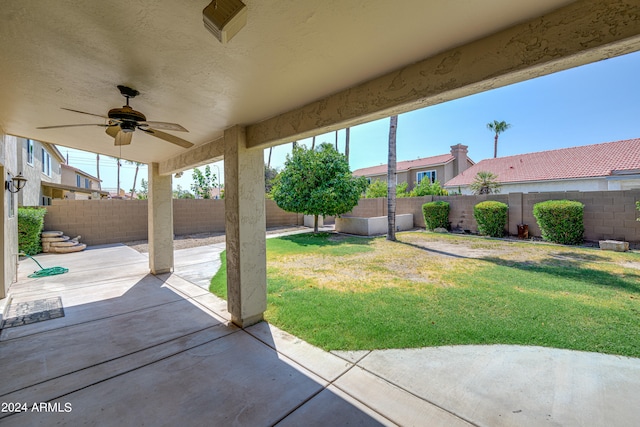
[[126, 113]]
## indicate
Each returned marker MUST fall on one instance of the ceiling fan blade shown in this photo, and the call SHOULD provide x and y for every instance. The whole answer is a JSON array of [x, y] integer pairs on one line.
[[84, 112], [167, 137], [71, 126], [121, 138], [164, 126]]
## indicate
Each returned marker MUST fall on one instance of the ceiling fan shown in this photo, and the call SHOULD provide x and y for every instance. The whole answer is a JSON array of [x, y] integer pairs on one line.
[[122, 122]]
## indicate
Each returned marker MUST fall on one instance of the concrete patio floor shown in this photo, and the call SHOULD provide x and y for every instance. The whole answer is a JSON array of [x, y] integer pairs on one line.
[[136, 349]]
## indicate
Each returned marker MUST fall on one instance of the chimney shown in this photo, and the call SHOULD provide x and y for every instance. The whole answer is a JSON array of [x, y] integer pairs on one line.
[[460, 164]]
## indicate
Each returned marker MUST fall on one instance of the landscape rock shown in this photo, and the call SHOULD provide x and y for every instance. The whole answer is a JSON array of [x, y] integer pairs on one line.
[[614, 245]]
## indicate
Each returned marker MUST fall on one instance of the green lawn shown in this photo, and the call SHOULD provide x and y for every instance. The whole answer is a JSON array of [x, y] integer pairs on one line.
[[430, 289]]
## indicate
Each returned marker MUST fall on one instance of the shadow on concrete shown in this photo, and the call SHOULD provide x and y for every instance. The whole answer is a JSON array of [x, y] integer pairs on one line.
[[139, 349]]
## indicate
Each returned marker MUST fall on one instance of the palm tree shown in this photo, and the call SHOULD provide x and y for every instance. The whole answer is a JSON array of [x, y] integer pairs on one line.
[[485, 183], [391, 180], [313, 143], [346, 144], [497, 127], [117, 159], [135, 176], [269, 162]]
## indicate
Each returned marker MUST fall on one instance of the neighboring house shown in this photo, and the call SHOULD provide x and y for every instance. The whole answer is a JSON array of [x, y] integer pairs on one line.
[[607, 166], [79, 185], [39, 163], [436, 168], [49, 177]]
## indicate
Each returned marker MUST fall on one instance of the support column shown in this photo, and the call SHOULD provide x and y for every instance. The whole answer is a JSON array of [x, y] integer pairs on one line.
[[160, 221], [245, 229]]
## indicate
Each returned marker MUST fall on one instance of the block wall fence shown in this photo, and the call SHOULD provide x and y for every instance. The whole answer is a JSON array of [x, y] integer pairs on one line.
[[115, 221], [607, 215]]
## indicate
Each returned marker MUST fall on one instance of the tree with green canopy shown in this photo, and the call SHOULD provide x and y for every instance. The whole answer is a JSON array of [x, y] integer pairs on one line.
[[203, 183], [317, 182]]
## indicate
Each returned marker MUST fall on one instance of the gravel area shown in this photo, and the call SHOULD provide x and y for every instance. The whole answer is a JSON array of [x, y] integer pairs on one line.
[[202, 239]]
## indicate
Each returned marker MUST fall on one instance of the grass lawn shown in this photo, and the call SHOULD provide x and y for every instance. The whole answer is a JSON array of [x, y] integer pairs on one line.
[[350, 293]]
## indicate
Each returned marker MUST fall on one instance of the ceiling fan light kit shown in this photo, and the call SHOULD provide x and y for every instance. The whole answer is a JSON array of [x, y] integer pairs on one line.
[[122, 122], [225, 18]]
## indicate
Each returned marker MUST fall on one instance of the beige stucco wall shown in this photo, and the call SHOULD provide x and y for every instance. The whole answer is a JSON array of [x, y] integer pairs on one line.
[[413, 174], [589, 184], [9, 245], [68, 177], [443, 173], [32, 193]]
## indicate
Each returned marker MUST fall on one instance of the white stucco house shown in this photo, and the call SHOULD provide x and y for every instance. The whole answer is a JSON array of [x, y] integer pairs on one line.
[[597, 167]]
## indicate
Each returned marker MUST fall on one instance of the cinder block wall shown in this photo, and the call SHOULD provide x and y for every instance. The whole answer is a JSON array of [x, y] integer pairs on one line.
[[276, 217], [607, 214], [99, 221], [461, 209], [115, 221], [198, 216]]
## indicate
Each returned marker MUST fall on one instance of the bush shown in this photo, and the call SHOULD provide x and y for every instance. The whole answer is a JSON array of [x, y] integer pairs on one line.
[[30, 225], [560, 221], [426, 188], [376, 189], [401, 190], [491, 217], [436, 214]]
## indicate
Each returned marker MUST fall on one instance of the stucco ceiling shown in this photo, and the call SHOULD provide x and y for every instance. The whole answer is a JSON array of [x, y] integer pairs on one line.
[[73, 53]]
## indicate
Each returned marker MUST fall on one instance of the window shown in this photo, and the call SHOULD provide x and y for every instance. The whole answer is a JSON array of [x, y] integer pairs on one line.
[[87, 183], [30, 151], [430, 175], [78, 180], [46, 163], [369, 181], [46, 201]]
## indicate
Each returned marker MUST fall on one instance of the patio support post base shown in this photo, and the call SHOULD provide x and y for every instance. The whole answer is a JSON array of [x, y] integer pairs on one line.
[[160, 221], [245, 229]]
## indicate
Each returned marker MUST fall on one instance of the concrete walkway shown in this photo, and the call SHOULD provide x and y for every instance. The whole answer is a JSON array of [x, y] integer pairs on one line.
[[136, 349]]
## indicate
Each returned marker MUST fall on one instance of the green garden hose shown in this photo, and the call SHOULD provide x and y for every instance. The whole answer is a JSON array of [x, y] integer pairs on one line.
[[44, 272]]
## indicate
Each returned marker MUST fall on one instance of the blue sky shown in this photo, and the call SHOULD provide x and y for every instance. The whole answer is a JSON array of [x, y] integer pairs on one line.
[[591, 104]]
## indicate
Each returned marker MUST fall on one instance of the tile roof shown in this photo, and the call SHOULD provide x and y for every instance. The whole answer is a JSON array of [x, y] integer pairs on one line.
[[406, 165], [588, 161]]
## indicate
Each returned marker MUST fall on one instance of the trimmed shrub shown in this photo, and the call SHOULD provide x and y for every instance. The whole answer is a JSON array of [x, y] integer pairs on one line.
[[491, 217], [436, 214], [560, 221], [30, 225]]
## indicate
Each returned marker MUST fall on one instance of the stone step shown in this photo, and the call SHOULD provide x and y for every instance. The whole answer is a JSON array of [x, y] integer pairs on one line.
[[52, 233], [68, 249]]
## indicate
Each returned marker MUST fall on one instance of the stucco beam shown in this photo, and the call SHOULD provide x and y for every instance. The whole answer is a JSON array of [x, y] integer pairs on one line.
[[583, 32], [197, 156]]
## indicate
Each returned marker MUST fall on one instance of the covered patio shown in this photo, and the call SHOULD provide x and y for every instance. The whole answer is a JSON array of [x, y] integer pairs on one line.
[[138, 349], [140, 343], [295, 70]]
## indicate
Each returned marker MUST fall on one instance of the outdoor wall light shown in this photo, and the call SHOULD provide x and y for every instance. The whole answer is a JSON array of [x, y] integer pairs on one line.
[[15, 183], [224, 18]]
